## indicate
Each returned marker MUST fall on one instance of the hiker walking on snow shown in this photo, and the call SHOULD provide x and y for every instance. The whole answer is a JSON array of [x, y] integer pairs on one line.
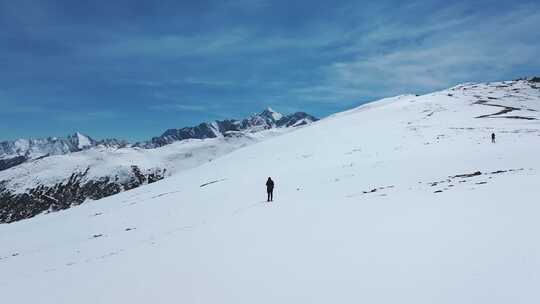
[[270, 189], [493, 137]]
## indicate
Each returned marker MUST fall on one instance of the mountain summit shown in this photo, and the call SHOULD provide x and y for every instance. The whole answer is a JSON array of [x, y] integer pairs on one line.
[[269, 112], [267, 119]]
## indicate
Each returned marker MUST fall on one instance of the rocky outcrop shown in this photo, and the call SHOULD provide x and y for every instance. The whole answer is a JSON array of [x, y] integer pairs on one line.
[[76, 190], [12, 162]]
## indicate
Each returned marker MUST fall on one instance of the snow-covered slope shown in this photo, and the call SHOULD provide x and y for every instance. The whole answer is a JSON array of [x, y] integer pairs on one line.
[[116, 163], [404, 200], [62, 181], [46, 175]]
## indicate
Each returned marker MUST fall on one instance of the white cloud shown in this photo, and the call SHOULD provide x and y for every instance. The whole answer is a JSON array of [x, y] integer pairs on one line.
[[386, 54], [434, 56]]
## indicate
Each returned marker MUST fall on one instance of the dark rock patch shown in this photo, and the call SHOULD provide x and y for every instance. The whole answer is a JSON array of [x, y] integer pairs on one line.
[[370, 191], [377, 189], [466, 175], [505, 109], [518, 117], [73, 192], [12, 162], [212, 182]]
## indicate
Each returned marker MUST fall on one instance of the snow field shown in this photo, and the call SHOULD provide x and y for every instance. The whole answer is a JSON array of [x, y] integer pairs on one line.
[[357, 217]]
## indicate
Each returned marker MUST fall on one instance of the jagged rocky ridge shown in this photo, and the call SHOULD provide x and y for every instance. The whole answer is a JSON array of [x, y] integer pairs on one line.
[[267, 119], [76, 185], [74, 191]]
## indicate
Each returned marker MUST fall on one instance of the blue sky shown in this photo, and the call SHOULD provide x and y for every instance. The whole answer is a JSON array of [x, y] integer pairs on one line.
[[131, 69]]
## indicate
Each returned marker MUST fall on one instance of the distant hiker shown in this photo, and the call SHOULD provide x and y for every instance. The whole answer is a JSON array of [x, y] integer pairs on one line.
[[270, 189], [493, 137]]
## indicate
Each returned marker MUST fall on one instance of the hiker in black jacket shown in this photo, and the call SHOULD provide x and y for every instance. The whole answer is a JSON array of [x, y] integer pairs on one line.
[[270, 189]]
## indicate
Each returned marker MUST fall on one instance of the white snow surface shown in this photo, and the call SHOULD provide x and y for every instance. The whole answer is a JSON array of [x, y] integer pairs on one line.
[[116, 163], [205, 235]]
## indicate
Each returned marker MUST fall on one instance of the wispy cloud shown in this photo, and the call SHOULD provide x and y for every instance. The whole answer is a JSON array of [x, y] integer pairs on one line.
[[178, 107], [210, 82], [247, 5], [219, 43], [75, 116], [175, 45], [433, 56]]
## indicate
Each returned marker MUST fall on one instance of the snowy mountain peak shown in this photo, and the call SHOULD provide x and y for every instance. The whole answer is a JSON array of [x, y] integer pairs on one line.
[[267, 119], [270, 113], [82, 141]]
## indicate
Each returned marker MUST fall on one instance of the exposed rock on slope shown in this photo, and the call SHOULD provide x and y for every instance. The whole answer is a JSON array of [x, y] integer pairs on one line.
[[74, 191]]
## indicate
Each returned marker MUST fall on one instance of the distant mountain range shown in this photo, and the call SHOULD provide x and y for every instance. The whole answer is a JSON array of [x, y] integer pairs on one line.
[[16, 152], [267, 119], [44, 175], [13, 153]]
